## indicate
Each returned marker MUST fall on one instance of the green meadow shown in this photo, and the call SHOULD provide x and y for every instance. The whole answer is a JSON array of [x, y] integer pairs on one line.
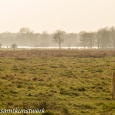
[[65, 82]]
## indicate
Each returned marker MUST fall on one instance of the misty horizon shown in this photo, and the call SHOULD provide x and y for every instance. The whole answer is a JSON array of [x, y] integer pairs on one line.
[[55, 30]]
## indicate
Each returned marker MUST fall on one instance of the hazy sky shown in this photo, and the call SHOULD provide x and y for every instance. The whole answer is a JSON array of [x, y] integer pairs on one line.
[[67, 15]]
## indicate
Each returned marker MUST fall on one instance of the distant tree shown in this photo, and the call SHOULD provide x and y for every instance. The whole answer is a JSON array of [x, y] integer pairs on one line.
[[72, 39], [44, 39], [90, 39], [83, 38], [112, 35], [44, 34], [27, 35], [105, 37], [14, 46], [58, 38], [24, 30], [98, 37]]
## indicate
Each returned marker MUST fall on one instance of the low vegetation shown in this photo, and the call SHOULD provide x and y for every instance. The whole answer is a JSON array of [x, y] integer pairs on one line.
[[14, 46], [63, 82]]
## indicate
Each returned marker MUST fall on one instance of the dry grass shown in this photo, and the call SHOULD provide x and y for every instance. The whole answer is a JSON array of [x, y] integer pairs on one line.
[[67, 82], [57, 53]]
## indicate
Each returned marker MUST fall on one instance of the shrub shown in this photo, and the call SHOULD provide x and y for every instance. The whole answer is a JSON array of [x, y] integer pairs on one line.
[[14, 46]]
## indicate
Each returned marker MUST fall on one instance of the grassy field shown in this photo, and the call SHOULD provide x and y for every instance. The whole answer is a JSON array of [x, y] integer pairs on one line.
[[67, 82]]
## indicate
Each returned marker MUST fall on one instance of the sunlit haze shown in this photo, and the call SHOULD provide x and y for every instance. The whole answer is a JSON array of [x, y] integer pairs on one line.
[[50, 15]]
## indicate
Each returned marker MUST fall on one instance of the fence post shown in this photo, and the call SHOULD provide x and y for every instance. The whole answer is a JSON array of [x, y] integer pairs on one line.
[[113, 85]]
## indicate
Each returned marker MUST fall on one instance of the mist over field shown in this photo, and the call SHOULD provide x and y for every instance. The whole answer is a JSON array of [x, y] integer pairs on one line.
[[103, 38]]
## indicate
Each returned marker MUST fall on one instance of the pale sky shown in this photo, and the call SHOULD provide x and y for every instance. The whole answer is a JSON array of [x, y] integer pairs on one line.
[[50, 15]]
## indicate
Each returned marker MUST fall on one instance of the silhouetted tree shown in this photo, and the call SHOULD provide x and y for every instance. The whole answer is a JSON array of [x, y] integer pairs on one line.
[[57, 38]]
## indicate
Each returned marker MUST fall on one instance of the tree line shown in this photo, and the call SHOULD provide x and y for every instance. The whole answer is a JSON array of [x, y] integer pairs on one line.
[[103, 38]]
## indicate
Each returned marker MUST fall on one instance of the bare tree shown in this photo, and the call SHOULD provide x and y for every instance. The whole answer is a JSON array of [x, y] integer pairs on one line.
[[58, 38]]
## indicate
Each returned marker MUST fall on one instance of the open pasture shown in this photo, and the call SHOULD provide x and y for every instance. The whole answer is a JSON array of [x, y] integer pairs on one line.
[[67, 82]]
